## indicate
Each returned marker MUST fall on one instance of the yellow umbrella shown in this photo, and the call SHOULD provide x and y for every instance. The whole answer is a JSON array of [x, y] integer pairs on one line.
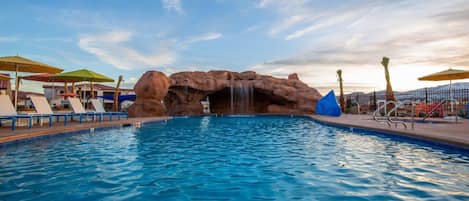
[[21, 64], [84, 75], [450, 74]]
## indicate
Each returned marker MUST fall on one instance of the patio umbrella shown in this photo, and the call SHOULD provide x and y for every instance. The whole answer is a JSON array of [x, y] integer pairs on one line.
[[450, 74], [21, 64], [47, 77], [84, 75]]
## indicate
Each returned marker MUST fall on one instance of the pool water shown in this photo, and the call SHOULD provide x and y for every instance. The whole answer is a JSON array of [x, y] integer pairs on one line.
[[231, 158]]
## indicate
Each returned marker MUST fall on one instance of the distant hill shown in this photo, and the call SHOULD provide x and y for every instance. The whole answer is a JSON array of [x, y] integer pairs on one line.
[[437, 92]]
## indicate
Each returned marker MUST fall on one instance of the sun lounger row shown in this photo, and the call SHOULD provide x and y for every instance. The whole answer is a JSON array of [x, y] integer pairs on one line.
[[44, 111]]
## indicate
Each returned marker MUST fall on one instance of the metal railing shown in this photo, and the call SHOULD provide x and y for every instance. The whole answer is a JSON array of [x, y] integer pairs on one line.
[[425, 100], [428, 114], [387, 116], [384, 119], [396, 122]]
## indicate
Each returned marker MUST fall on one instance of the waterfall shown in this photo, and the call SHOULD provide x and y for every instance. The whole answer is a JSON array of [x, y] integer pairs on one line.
[[242, 96]]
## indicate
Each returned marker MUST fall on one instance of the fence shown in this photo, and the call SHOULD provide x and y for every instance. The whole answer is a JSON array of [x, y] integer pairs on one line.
[[425, 99]]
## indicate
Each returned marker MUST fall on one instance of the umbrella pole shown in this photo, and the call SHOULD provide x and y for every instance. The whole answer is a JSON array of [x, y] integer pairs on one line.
[[53, 92], [65, 90], [73, 87], [16, 87], [91, 90], [451, 95]]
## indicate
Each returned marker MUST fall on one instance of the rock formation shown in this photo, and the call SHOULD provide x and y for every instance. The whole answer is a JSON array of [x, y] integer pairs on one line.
[[238, 93], [150, 89], [293, 76]]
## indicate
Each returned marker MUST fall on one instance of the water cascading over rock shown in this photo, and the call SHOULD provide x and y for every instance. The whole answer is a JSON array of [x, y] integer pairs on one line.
[[239, 93], [242, 97], [228, 93]]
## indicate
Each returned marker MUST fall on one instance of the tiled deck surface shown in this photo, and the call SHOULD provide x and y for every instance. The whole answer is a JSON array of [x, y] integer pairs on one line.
[[7, 135], [451, 133]]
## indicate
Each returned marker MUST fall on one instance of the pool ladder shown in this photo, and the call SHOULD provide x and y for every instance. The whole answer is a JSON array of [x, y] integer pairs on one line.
[[387, 117]]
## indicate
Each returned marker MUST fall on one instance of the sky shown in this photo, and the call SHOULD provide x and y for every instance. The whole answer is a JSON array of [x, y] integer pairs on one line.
[[313, 38]]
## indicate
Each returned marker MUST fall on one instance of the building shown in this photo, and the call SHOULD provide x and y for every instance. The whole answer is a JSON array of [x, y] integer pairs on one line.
[[24, 102], [55, 94], [5, 86]]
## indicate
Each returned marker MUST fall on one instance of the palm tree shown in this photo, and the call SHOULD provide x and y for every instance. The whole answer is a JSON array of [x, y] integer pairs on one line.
[[115, 105], [389, 92], [341, 97]]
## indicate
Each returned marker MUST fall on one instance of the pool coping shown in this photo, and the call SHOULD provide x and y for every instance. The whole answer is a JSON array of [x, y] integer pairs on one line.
[[21, 138], [412, 134], [76, 129], [402, 134]]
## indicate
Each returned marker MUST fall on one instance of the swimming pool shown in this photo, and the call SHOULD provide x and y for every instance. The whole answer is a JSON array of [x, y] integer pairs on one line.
[[231, 158]]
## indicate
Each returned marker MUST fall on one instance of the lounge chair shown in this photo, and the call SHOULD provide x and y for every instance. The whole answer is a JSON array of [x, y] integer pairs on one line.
[[79, 110], [8, 112], [42, 107], [98, 107]]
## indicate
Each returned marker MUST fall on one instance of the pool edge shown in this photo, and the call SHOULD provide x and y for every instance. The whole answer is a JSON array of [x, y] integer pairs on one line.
[[400, 133], [82, 128]]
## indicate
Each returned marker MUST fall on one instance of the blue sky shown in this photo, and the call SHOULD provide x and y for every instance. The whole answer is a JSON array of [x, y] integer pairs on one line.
[[277, 37]]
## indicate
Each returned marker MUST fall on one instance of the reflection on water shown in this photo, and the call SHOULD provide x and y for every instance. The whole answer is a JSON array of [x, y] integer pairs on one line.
[[236, 158]]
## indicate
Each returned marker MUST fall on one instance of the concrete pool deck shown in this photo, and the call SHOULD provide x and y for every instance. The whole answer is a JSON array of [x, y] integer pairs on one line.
[[23, 133], [450, 133]]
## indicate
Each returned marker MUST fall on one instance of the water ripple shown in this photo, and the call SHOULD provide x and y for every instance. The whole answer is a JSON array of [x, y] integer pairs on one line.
[[206, 158]]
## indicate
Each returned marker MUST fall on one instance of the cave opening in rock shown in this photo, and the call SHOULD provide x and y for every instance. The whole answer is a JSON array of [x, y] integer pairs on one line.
[[242, 101]]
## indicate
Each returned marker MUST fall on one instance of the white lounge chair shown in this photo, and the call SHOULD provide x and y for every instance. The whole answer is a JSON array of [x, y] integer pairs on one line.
[[42, 107], [8, 112], [79, 110], [99, 108]]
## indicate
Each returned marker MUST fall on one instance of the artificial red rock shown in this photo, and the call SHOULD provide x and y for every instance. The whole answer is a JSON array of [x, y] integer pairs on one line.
[[293, 76], [238, 93], [150, 90]]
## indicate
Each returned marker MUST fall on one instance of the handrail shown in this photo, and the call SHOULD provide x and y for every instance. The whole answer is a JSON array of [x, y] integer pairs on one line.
[[382, 120], [393, 110], [439, 104], [397, 106], [381, 107]]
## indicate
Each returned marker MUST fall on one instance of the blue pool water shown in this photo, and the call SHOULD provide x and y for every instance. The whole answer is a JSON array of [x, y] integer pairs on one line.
[[250, 158]]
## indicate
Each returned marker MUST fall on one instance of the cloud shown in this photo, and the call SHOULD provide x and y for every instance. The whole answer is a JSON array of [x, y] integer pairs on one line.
[[116, 48], [204, 37], [113, 48], [251, 29], [287, 23], [131, 80], [418, 36], [173, 5], [8, 39], [291, 14]]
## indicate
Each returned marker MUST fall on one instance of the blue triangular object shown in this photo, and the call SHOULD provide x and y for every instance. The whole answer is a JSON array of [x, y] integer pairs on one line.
[[328, 105]]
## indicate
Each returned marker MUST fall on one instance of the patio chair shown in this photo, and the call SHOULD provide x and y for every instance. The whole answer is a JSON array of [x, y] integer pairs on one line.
[[42, 107], [8, 112], [79, 110], [99, 108]]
